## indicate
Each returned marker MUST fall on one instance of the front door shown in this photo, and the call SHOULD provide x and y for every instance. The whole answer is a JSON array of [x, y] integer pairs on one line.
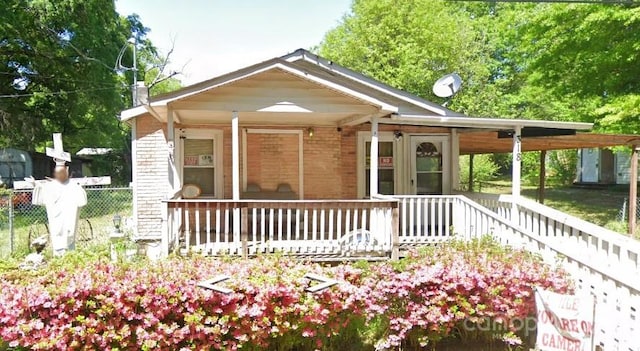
[[429, 157], [589, 160]]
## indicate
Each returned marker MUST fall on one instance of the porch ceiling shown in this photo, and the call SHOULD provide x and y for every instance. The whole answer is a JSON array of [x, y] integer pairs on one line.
[[483, 142]]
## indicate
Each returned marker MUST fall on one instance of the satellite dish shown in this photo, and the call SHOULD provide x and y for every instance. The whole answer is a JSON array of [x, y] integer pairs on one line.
[[447, 86]]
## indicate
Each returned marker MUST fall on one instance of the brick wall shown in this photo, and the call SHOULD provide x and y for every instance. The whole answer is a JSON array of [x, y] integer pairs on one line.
[[273, 159], [322, 164], [330, 163], [152, 174], [349, 163]]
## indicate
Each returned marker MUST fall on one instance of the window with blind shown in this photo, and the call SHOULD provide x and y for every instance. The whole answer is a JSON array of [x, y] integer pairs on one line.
[[200, 165]]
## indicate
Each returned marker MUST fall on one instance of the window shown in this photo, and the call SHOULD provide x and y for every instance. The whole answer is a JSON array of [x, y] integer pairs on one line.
[[428, 169], [201, 161]]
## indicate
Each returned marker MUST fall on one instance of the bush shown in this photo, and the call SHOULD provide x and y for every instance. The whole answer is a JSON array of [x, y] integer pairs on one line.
[[142, 306], [484, 170], [562, 166]]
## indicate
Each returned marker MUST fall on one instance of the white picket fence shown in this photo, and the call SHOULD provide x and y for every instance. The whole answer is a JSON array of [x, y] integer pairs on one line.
[[601, 262]]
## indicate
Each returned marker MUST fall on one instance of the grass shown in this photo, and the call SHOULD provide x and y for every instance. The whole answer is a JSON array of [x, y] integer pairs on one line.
[[96, 221], [599, 205]]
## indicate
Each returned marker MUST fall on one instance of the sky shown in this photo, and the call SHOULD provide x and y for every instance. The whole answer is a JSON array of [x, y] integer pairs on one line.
[[213, 37]]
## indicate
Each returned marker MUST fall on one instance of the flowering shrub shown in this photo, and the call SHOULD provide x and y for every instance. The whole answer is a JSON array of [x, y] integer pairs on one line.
[[157, 306]]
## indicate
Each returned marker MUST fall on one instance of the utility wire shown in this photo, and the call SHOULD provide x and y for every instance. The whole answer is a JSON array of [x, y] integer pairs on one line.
[[40, 76], [53, 93]]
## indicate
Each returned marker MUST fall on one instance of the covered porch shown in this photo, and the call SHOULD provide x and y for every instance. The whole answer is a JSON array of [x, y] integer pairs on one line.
[[384, 225], [300, 156], [300, 149]]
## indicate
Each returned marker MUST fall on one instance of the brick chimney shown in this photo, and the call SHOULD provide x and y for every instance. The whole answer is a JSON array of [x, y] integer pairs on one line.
[[142, 94]]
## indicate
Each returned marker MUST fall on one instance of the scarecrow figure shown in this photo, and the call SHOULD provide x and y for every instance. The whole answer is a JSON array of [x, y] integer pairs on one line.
[[62, 199]]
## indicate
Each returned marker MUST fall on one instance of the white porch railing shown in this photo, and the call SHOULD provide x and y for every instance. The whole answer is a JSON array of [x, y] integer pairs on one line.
[[603, 263], [594, 242], [599, 262], [249, 227]]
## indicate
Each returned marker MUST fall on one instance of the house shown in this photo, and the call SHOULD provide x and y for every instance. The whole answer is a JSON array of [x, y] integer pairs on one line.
[[603, 166], [278, 156], [300, 155], [92, 154]]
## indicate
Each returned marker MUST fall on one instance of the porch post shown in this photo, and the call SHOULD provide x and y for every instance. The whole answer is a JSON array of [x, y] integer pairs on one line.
[[470, 186], [455, 160], [373, 159], [235, 157], [516, 171], [543, 176], [171, 149], [633, 190]]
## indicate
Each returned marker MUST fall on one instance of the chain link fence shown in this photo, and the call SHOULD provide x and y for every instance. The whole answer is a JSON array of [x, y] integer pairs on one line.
[[20, 221], [624, 210]]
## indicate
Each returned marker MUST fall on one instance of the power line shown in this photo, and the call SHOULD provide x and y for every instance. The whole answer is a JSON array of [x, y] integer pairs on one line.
[[54, 93], [40, 76]]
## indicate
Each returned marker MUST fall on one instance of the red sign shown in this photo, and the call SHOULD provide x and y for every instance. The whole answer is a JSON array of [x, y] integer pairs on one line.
[[385, 162], [191, 160]]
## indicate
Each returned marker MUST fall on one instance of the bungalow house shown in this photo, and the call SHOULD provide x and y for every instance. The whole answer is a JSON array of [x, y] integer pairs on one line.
[[300, 154]]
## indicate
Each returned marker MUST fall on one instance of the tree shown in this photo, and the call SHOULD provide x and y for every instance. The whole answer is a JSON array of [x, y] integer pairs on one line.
[[585, 58], [58, 74], [410, 44], [576, 62]]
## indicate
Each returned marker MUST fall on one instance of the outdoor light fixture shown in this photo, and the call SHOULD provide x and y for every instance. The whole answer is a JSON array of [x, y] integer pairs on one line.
[[397, 134], [310, 132], [117, 221]]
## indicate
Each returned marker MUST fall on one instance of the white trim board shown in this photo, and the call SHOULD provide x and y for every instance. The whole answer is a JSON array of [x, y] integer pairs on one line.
[[134, 174], [383, 137]]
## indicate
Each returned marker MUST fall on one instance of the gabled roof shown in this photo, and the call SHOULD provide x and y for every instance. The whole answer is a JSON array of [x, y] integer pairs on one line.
[[314, 68], [309, 60], [337, 95]]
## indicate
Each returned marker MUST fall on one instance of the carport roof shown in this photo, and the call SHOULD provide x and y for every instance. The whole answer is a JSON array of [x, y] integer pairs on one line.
[[484, 142], [480, 135]]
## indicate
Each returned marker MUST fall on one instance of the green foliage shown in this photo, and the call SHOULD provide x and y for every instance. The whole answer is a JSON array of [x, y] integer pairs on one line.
[[484, 170], [585, 60], [71, 261], [58, 74], [562, 166], [531, 167], [58, 56], [569, 62], [535, 61], [410, 44], [617, 226]]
